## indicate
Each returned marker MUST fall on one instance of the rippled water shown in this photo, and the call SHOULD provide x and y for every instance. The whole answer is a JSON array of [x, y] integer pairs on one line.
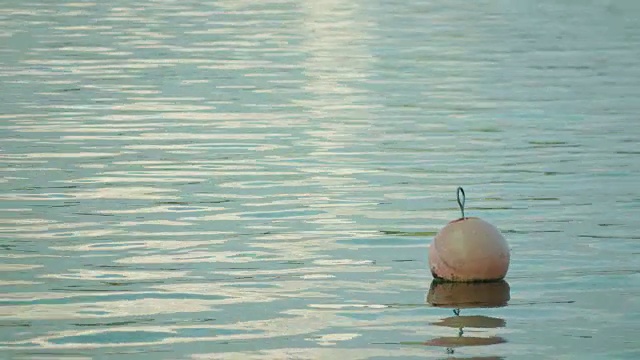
[[260, 179]]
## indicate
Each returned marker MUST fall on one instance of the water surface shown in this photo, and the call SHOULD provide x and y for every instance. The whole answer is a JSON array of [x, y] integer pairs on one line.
[[260, 179]]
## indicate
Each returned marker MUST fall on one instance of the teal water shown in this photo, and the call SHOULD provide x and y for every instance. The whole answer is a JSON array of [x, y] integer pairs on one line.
[[260, 179]]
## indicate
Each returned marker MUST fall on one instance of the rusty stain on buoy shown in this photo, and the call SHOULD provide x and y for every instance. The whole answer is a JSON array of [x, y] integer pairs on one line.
[[469, 249]]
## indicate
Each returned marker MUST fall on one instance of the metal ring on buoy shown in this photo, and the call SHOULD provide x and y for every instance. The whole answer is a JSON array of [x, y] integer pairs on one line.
[[461, 204]]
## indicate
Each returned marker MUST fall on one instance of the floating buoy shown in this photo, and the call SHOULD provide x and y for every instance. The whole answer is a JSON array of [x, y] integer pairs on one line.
[[469, 249]]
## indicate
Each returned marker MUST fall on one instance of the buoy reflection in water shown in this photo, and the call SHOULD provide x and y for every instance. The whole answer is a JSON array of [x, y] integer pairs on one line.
[[458, 296]]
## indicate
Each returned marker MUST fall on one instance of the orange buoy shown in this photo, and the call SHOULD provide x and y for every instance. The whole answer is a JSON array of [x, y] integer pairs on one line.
[[469, 249]]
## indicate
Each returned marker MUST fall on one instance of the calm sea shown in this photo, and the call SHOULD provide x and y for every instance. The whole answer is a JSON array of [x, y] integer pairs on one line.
[[260, 179]]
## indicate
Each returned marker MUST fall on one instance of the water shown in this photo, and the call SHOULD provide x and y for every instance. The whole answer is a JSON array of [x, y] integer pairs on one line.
[[260, 179]]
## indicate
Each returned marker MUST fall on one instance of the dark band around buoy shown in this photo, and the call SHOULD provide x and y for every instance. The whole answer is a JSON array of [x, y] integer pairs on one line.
[[461, 203]]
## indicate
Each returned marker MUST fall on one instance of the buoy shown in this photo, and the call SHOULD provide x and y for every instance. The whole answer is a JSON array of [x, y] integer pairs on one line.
[[468, 249]]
